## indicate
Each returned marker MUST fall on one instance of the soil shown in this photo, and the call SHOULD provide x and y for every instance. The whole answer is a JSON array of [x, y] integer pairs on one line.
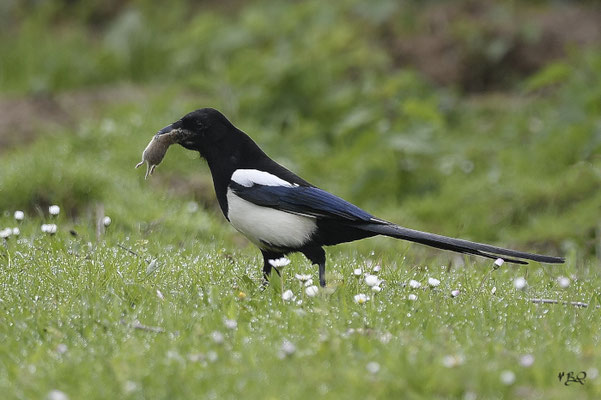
[[489, 45], [22, 118]]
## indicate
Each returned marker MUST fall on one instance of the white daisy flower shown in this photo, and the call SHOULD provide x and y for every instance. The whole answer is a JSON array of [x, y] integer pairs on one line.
[[5, 233], [311, 291], [376, 289], [412, 297], [520, 283], [309, 283], [372, 280], [279, 262], [192, 207], [19, 215], [106, 221], [507, 377], [526, 360], [212, 356], [433, 282], [357, 272], [61, 348], [56, 395], [377, 268], [451, 361], [230, 323], [563, 282], [373, 367], [302, 277], [287, 349], [455, 293], [131, 386], [49, 228], [288, 295], [54, 210], [361, 298], [413, 284], [16, 231], [217, 337]]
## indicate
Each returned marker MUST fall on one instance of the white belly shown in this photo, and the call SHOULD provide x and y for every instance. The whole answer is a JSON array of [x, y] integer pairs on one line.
[[265, 226]]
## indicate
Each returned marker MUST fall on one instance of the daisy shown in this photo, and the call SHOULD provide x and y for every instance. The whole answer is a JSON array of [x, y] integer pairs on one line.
[[526, 360], [413, 284], [57, 395], [302, 277], [433, 282], [563, 282], [312, 291], [361, 298], [217, 337], [287, 349], [372, 280], [49, 228], [230, 323], [373, 367], [279, 262], [507, 377], [520, 283], [288, 295]]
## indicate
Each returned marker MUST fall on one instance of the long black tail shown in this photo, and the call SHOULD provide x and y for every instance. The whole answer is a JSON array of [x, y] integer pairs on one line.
[[459, 245]]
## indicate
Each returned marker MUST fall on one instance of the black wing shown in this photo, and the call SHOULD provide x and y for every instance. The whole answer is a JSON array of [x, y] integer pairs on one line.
[[305, 200]]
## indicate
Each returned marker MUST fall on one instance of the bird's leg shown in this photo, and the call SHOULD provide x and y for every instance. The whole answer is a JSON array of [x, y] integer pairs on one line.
[[317, 256], [322, 274]]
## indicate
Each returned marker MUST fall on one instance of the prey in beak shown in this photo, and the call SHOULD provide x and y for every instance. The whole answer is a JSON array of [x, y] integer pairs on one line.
[[157, 148]]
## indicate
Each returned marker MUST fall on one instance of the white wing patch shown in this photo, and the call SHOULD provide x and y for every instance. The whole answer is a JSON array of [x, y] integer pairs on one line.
[[266, 226], [250, 177]]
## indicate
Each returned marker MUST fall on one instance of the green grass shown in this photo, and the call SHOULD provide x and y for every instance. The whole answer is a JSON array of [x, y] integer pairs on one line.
[[69, 307]]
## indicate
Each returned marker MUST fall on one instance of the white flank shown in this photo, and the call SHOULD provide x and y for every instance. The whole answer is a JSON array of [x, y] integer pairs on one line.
[[250, 177], [264, 225]]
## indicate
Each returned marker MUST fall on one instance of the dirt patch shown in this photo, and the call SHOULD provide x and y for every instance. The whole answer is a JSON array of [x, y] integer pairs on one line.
[[22, 119], [483, 45]]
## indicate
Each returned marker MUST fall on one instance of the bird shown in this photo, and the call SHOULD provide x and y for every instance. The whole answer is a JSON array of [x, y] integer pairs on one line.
[[280, 212]]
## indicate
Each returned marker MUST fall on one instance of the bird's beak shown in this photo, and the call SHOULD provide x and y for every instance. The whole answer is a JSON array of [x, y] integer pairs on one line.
[[166, 130], [175, 133], [170, 130]]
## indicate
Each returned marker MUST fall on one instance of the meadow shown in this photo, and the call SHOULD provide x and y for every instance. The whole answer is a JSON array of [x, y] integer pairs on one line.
[[165, 299]]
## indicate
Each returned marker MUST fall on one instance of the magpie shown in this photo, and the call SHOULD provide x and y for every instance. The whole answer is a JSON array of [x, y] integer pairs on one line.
[[280, 212]]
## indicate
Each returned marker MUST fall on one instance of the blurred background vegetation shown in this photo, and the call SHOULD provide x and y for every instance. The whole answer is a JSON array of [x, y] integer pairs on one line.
[[479, 119]]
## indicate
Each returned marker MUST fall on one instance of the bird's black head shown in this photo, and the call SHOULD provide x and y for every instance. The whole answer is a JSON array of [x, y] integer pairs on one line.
[[202, 130]]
